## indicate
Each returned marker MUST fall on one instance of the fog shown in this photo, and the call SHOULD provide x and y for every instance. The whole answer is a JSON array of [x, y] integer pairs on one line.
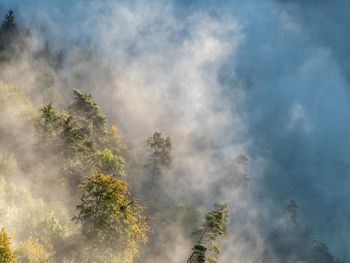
[[268, 79]]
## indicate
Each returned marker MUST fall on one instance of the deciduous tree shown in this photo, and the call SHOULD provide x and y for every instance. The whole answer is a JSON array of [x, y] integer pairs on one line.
[[160, 157], [110, 217]]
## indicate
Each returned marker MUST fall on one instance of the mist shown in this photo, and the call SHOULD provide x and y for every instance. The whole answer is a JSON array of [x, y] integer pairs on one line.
[[267, 79]]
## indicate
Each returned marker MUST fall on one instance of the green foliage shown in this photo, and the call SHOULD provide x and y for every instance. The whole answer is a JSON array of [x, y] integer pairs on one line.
[[73, 137], [110, 217], [110, 164], [161, 151], [212, 230], [114, 142], [49, 127], [55, 226], [60, 133], [85, 108], [215, 222], [198, 255], [81, 140], [6, 255], [160, 157]]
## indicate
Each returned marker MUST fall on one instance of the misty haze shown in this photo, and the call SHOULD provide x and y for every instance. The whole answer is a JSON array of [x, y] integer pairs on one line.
[[181, 131]]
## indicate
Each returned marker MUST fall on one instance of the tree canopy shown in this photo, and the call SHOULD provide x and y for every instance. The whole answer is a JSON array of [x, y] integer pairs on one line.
[[110, 217]]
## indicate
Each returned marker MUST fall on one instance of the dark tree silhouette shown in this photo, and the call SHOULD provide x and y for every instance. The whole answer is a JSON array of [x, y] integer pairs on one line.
[[292, 211], [9, 24]]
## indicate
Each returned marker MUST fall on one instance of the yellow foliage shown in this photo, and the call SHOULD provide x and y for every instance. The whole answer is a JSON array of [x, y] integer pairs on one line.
[[15, 102], [108, 212], [32, 251], [6, 255]]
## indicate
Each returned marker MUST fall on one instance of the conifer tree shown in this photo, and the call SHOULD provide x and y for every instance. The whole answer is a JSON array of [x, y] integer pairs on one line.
[[213, 229], [86, 109], [292, 211], [60, 59], [8, 34], [160, 157], [9, 24], [6, 255]]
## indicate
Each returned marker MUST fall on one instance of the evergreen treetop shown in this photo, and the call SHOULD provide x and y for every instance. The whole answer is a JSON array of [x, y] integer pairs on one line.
[[9, 24], [213, 229], [85, 107]]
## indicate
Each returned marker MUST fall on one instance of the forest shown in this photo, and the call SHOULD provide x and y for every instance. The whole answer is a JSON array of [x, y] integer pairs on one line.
[[77, 186]]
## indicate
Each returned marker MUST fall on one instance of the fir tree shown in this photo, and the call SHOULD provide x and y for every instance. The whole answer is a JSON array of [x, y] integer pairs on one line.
[[212, 230], [9, 24], [60, 59], [86, 109], [9, 33], [292, 211], [6, 255]]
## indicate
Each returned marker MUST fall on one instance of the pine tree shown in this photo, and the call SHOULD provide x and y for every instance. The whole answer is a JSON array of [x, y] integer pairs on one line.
[[86, 109], [60, 59], [292, 211], [8, 34], [9, 24], [6, 255], [213, 229]]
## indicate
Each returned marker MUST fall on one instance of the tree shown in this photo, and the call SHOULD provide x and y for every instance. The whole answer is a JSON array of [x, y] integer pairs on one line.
[[160, 157], [81, 139], [89, 113], [9, 24], [8, 33], [73, 137], [108, 163], [212, 230], [320, 254], [60, 133], [32, 251], [292, 211], [48, 127], [6, 255], [60, 59], [45, 53], [110, 217]]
